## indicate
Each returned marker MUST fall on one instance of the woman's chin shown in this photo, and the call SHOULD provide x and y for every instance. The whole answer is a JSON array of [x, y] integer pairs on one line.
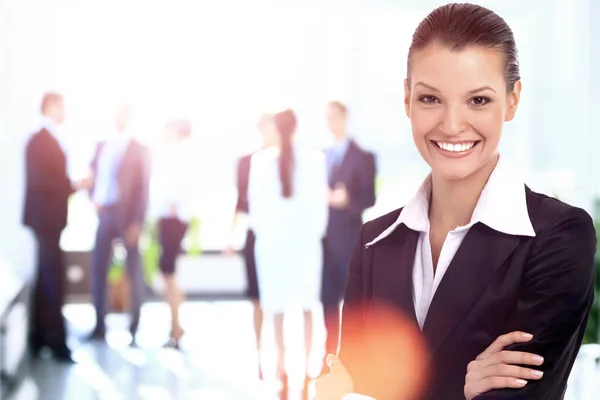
[[452, 172]]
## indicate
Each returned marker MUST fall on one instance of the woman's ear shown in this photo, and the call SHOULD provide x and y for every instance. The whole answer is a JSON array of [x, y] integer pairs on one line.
[[406, 98], [513, 101]]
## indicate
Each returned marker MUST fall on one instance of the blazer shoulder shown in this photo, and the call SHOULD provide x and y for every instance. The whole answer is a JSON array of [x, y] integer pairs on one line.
[[245, 159], [139, 146], [34, 138], [41, 140], [358, 149], [375, 227], [548, 212]]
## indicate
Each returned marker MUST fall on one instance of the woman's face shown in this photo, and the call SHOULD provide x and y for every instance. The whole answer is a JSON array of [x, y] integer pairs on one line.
[[268, 131], [457, 104], [170, 135]]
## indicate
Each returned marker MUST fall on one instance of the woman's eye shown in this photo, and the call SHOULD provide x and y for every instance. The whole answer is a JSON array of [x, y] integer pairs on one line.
[[428, 99], [480, 101]]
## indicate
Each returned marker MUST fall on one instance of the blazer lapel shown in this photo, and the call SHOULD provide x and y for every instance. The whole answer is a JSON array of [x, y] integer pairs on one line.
[[482, 252], [392, 274], [126, 156]]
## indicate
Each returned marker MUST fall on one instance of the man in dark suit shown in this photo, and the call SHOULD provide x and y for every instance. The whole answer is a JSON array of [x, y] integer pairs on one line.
[[47, 191], [352, 190], [121, 174]]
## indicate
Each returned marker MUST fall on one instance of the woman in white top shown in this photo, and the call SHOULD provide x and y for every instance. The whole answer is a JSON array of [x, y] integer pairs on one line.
[[288, 212], [175, 198]]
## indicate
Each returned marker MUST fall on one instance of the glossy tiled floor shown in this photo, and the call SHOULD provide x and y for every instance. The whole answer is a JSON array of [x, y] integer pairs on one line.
[[218, 360]]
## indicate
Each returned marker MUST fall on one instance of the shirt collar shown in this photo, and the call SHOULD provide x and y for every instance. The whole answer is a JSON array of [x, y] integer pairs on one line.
[[502, 206], [49, 125], [342, 145]]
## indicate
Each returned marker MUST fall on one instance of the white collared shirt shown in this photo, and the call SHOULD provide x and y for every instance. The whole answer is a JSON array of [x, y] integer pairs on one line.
[[106, 191], [502, 206]]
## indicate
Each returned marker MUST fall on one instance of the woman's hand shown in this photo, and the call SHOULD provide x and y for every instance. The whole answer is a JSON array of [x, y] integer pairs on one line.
[[336, 384], [497, 368]]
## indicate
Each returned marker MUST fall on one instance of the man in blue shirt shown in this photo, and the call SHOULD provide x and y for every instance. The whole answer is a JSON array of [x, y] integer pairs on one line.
[[121, 175], [352, 191]]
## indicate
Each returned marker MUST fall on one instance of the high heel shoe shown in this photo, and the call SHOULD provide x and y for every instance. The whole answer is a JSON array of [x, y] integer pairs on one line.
[[285, 388], [173, 342]]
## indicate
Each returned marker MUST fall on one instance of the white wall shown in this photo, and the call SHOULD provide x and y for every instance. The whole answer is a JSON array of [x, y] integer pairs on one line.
[[16, 244]]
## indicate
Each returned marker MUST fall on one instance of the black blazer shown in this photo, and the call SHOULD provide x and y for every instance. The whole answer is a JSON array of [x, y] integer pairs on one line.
[[47, 186], [495, 284], [242, 179], [357, 172], [134, 181]]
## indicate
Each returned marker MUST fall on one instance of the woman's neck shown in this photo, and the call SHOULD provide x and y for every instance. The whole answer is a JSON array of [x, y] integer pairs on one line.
[[453, 202]]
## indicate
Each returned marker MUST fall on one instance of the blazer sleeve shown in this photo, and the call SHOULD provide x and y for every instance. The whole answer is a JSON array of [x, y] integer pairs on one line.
[[554, 306], [144, 185], [258, 201], [363, 196], [242, 177]]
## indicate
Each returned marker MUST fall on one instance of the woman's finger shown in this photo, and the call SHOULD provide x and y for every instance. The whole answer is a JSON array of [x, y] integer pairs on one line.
[[504, 370], [505, 340], [496, 382], [512, 357]]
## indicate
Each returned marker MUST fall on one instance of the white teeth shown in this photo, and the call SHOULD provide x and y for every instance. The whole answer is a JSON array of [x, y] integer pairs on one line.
[[456, 147]]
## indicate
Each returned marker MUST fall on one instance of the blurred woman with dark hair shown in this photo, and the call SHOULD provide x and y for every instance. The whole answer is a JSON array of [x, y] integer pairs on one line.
[[268, 136], [173, 184], [288, 213]]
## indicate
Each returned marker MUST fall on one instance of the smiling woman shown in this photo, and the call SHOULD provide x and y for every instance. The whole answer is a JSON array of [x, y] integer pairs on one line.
[[497, 278]]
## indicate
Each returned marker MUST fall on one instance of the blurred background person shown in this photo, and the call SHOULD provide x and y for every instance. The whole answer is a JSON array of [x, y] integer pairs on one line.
[[48, 188], [120, 171], [351, 192], [287, 197], [268, 136], [174, 186]]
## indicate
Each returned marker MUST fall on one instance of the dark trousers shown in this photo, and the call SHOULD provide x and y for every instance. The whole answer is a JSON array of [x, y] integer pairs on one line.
[[48, 323], [111, 227], [170, 232], [335, 276]]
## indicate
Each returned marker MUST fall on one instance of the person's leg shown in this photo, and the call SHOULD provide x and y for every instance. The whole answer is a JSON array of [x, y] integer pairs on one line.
[[253, 291], [279, 341], [278, 320], [334, 282], [136, 285], [101, 258], [174, 299], [258, 317], [308, 337], [330, 298], [171, 233], [51, 328], [36, 329], [331, 313]]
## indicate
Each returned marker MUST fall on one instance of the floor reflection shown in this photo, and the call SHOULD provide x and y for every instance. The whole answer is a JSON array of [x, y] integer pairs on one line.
[[218, 358]]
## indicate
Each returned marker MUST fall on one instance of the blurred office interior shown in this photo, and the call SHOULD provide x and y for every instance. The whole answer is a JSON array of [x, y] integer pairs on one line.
[[221, 64]]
